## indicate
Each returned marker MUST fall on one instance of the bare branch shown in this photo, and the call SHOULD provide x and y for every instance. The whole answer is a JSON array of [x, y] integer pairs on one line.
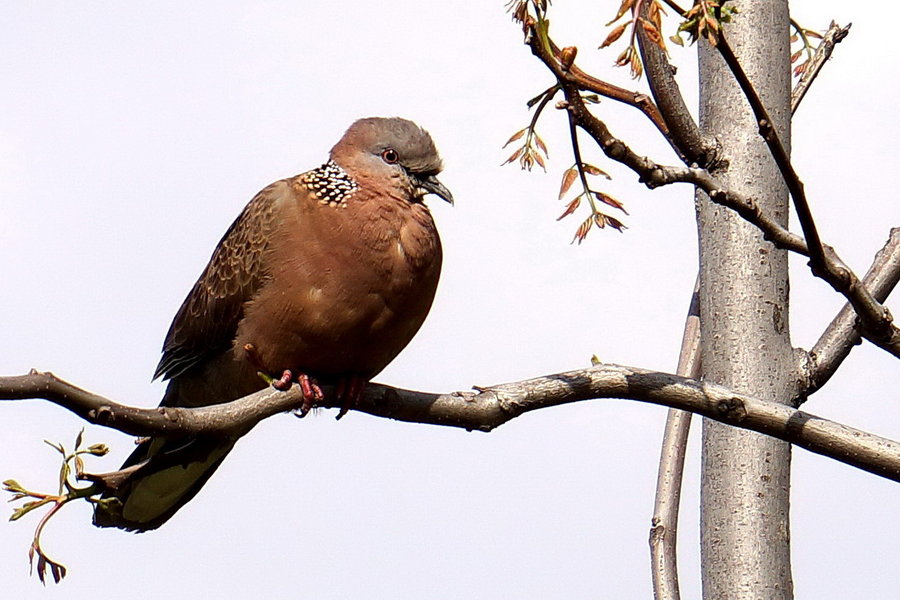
[[833, 36], [877, 323], [230, 419], [537, 38], [843, 333], [664, 527], [779, 153], [650, 173], [684, 134], [747, 208], [486, 409]]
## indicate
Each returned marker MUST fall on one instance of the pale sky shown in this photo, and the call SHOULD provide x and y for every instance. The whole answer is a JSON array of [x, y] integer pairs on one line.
[[131, 135]]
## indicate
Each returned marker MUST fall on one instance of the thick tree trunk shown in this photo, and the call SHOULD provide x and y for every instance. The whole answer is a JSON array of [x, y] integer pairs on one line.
[[745, 534]]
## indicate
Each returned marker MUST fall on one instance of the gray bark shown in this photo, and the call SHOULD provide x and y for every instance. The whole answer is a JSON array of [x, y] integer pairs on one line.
[[745, 534]]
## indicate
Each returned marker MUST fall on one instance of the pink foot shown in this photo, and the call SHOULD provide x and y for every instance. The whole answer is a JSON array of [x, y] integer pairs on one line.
[[283, 383], [312, 393]]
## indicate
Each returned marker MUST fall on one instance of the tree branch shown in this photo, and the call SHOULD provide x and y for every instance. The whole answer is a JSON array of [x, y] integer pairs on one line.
[[650, 173], [684, 134], [664, 526], [833, 36], [779, 153], [536, 35], [877, 322], [655, 175], [222, 420], [843, 333], [486, 409]]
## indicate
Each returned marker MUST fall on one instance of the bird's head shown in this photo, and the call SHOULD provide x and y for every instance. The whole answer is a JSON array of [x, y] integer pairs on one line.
[[391, 152]]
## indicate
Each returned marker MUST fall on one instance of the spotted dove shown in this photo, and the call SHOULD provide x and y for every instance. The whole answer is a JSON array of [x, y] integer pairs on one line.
[[323, 278]]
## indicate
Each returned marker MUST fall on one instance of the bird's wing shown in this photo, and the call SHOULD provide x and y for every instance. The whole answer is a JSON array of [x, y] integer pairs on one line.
[[208, 319]]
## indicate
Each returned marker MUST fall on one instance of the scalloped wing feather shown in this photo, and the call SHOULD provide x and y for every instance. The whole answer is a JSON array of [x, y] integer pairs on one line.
[[207, 321]]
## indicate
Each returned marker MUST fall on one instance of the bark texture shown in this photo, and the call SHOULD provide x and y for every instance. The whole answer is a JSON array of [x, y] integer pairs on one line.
[[745, 536]]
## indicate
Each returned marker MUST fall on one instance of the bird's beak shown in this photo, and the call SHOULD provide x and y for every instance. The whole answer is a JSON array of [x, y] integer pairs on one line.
[[431, 185]]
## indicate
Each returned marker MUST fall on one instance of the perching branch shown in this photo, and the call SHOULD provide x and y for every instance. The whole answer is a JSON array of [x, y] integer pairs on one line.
[[486, 409]]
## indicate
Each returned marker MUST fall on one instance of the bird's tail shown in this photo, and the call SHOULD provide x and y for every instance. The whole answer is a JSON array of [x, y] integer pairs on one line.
[[168, 474]]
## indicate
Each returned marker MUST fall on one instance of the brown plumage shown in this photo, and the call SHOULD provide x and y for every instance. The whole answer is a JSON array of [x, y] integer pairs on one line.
[[326, 275]]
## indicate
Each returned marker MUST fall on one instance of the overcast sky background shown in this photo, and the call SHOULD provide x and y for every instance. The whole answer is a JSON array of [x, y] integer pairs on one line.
[[132, 134]]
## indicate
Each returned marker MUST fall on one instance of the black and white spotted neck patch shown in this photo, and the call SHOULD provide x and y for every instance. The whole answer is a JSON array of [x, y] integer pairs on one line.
[[330, 184]]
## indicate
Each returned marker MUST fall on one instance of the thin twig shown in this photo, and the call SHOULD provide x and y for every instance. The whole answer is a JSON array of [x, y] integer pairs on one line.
[[833, 36], [681, 12], [538, 35], [541, 100], [579, 164]]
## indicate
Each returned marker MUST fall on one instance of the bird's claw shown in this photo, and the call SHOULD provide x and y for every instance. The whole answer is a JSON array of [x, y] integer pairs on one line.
[[349, 391], [311, 391], [284, 382]]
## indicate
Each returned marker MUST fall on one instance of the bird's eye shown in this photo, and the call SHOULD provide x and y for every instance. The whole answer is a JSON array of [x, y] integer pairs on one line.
[[390, 156]]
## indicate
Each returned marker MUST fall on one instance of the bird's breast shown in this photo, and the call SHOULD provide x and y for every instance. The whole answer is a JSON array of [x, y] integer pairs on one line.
[[349, 289]]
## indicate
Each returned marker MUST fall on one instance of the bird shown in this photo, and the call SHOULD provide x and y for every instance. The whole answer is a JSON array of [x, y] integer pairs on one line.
[[322, 279]]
